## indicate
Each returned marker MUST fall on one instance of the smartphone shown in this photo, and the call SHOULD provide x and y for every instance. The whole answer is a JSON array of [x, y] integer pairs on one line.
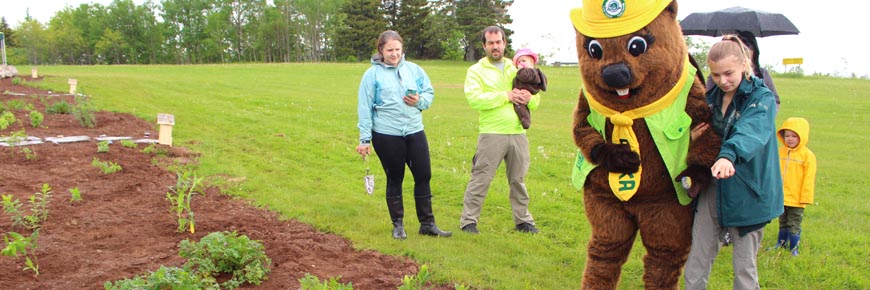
[[410, 92]]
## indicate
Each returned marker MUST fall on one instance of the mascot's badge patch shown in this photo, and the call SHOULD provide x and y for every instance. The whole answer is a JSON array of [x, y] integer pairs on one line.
[[613, 8]]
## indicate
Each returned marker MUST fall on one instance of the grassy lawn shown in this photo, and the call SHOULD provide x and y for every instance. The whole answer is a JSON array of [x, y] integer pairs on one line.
[[290, 131]]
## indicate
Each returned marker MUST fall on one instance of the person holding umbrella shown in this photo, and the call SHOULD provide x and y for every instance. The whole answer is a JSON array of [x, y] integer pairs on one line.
[[393, 93]]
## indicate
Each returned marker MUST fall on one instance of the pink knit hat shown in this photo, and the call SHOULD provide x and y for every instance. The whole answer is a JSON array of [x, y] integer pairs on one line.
[[525, 51]]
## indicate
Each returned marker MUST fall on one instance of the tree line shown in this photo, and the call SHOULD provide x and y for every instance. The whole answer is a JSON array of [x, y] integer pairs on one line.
[[233, 31]]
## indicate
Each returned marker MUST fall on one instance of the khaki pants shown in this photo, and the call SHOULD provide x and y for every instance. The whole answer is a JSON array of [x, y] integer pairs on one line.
[[706, 245], [491, 150]]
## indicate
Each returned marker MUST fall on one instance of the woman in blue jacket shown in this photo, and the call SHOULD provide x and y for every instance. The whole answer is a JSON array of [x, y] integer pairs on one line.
[[747, 193], [392, 96]]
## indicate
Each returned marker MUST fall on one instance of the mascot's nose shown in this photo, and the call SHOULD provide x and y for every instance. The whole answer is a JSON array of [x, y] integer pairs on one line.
[[617, 75]]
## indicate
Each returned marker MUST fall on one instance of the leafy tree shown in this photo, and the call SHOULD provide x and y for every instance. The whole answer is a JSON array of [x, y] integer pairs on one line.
[[363, 22], [32, 36], [112, 46], [186, 22], [314, 17]]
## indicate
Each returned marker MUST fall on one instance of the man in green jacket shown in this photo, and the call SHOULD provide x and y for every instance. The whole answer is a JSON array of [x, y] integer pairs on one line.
[[502, 137]]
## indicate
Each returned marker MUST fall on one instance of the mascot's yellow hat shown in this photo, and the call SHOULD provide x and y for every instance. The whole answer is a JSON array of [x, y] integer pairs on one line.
[[611, 18]]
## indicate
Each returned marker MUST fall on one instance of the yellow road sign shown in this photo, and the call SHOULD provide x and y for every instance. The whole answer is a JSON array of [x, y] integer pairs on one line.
[[796, 60]]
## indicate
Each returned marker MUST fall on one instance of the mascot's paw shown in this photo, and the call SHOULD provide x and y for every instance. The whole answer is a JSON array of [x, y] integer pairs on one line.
[[699, 177], [616, 158]]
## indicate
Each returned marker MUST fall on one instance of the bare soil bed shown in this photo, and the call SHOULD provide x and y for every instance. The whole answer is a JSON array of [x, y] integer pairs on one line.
[[123, 227]]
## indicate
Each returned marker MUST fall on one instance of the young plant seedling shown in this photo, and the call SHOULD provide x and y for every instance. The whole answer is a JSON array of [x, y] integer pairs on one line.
[[17, 244], [180, 195], [75, 194], [103, 147], [128, 143], [36, 118], [107, 167]]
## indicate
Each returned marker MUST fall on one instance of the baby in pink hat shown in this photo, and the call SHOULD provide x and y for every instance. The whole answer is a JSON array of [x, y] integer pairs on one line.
[[528, 78]]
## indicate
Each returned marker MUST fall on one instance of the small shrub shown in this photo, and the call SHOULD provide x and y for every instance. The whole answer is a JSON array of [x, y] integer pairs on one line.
[[311, 282], [106, 167], [16, 81], [7, 119], [17, 244], [103, 146], [84, 112], [61, 107], [128, 143], [163, 278], [227, 252], [38, 209], [75, 194], [36, 118]]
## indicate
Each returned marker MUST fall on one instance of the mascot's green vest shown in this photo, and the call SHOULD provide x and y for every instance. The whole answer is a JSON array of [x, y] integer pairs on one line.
[[670, 131]]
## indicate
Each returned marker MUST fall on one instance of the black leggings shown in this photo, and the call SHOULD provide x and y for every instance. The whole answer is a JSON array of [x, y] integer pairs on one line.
[[396, 151]]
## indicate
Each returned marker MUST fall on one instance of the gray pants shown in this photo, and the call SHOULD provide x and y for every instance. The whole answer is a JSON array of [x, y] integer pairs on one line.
[[706, 245], [491, 150]]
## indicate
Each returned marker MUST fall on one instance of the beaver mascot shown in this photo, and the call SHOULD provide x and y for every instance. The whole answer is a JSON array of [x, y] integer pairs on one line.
[[641, 96]]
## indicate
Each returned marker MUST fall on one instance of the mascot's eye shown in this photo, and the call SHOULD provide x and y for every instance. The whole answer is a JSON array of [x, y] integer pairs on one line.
[[594, 49], [637, 45]]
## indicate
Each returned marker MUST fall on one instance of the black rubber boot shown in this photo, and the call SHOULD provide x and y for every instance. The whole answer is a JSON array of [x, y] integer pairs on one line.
[[399, 230], [427, 219], [397, 212]]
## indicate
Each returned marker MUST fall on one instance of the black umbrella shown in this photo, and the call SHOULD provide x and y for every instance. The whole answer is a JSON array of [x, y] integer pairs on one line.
[[734, 19]]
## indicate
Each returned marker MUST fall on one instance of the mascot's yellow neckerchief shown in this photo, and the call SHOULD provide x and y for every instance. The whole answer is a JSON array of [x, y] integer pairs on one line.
[[625, 185]]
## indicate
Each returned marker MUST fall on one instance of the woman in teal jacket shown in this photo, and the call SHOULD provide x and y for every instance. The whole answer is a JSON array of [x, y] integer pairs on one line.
[[747, 193], [392, 96]]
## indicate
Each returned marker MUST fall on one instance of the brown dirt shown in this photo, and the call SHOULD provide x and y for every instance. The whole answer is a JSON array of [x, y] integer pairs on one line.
[[123, 227]]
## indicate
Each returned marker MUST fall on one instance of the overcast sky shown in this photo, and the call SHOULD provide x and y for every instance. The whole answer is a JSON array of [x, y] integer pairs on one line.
[[826, 43]]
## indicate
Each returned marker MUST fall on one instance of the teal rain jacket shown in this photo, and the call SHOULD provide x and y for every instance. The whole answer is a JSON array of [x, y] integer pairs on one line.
[[753, 196], [380, 106]]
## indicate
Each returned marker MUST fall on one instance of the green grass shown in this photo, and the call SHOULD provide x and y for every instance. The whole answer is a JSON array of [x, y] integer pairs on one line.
[[290, 130]]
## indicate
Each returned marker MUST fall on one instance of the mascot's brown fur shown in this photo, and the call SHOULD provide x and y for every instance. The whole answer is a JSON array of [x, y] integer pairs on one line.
[[648, 69]]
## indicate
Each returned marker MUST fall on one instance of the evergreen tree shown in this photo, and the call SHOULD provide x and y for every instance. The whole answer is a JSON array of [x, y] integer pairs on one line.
[[473, 16], [410, 23], [363, 22], [8, 34]]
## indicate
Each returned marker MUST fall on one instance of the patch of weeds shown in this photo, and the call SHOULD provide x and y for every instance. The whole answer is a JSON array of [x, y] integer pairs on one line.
[[155, 149], [84, 111], [180, 195], [61, 107], [15, 105], [103, 146], [129, 143], [17, 81], [75, 194], [106, 167], [163, 278], [227, 252], [311, 282], [36, 118], [38, 208], [18, 245]]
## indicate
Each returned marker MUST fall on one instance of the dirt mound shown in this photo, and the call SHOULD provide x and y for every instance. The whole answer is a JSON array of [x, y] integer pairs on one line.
[[123, 227]]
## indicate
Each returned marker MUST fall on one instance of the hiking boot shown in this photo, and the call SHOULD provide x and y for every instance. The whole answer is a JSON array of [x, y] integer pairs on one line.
[[527, 228], [470, 228], [433, 230]]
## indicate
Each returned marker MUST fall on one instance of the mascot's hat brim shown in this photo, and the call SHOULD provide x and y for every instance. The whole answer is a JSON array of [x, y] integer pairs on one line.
[[613, 18]]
